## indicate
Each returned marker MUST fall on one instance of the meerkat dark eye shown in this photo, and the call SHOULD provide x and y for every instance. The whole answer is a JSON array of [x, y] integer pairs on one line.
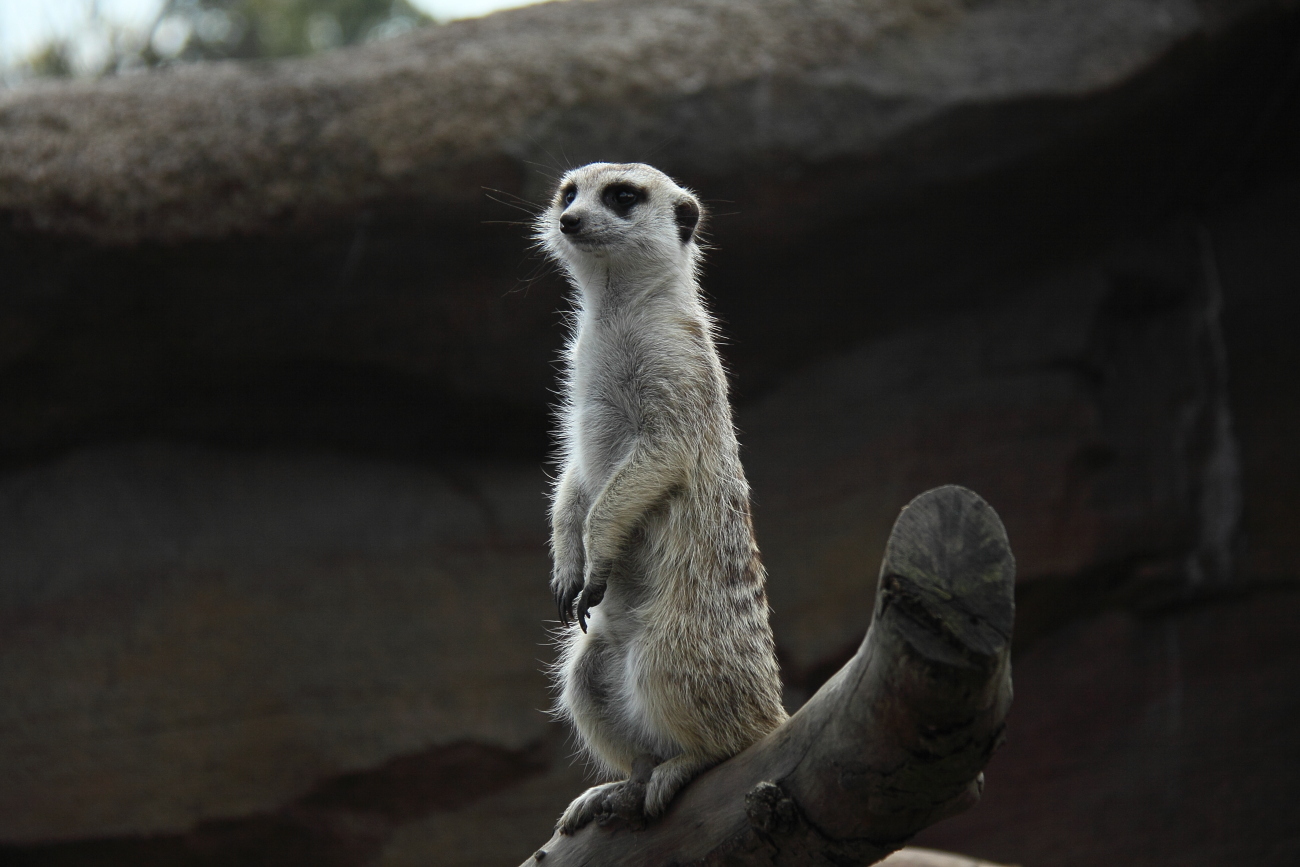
[[622, 197], [568, 194]]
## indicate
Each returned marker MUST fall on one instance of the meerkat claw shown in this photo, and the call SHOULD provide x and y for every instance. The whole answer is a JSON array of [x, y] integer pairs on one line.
[[588, 599], [564, 600]]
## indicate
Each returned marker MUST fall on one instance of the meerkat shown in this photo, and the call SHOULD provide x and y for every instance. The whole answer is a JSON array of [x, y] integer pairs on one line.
[[667, 664]]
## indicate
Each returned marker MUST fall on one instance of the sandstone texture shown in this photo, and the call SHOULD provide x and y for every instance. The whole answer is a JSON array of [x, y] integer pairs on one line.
[[250, 147], [276, 361], [191, 635]]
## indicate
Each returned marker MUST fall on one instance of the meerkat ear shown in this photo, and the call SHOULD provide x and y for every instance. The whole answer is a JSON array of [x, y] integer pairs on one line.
[[687, 214]]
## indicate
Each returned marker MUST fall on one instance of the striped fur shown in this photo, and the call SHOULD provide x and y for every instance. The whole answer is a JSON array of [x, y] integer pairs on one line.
[[674, 665]]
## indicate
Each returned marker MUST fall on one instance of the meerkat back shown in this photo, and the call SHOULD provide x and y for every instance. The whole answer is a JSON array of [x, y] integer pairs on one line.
[[667, 664]]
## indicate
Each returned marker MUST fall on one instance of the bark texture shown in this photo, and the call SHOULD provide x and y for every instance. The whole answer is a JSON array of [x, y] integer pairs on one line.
[[891, 744]]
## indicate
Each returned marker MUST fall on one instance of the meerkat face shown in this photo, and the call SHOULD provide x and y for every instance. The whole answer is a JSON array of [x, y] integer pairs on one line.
[[612, 212]]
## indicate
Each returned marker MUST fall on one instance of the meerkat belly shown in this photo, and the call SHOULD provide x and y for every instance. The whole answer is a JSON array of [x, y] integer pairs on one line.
[[611, 675], [652, 658], [605, 695]]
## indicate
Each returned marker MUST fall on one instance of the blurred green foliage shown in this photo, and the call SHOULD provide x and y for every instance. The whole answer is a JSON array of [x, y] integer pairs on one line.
[[275, 28], [52, 61], [190, 30]]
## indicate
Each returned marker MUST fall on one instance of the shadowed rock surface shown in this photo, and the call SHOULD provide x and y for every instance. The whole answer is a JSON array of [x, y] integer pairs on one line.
[[217, 633], [291, 249], [722, 88], [1168, 732], [273, 408]]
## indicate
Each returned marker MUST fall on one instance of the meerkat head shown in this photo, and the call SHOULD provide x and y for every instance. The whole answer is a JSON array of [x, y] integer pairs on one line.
[[621, 216]]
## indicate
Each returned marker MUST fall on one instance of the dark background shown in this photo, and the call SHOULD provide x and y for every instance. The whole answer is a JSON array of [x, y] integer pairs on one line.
[[276, 359]]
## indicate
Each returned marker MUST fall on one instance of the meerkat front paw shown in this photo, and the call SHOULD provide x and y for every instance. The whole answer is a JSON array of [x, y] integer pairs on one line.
[[566, 590], [593, 588], [588, 599]]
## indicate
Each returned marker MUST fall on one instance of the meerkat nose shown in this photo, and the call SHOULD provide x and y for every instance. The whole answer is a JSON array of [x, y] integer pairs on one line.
[[570, 224]]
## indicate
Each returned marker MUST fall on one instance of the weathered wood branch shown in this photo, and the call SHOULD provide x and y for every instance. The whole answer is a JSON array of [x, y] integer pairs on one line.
[[912, 856], [894, 742]]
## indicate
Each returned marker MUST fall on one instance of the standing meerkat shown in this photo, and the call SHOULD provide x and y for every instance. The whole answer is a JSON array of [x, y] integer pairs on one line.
[[667, 659]]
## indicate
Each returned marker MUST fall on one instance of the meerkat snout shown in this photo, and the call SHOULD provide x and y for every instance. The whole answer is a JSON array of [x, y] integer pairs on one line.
[[570, 224]]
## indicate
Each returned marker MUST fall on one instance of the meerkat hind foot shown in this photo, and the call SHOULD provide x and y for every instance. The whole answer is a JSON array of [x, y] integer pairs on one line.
[[624, 800], [611, 802], [669, 778]]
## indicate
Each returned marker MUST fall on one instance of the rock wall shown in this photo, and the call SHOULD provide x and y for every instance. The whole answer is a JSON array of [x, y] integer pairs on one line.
[[274, 369]]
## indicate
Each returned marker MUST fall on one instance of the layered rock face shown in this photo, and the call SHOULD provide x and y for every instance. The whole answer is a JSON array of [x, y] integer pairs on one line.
[[275, 366]]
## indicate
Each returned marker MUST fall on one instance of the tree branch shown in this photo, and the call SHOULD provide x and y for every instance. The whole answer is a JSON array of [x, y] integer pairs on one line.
[[894, 742], [912, 856]]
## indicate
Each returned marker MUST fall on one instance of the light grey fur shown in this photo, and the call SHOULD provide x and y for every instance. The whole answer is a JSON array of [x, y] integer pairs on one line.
[[671, 662]]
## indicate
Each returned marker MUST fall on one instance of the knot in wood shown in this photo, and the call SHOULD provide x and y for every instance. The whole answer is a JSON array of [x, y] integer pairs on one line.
[[770, 809]]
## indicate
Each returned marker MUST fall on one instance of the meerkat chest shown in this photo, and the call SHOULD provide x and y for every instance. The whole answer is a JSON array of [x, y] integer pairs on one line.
[[608, 404]]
